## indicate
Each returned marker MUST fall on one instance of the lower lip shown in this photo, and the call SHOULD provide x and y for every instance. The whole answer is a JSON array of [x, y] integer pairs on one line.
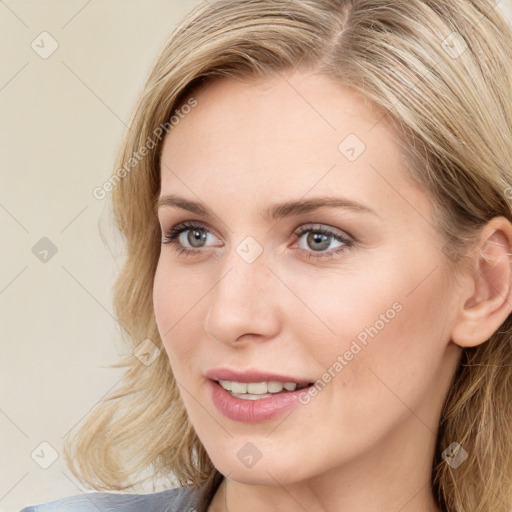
[[253, 411]]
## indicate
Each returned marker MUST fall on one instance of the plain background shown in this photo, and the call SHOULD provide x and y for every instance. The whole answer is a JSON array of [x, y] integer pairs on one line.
[[62, 118]]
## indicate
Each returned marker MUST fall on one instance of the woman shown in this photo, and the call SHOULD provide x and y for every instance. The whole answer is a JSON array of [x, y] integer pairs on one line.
[[317, 216]]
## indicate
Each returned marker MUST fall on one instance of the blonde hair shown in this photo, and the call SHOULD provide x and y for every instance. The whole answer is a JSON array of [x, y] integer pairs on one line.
[[440, 72]]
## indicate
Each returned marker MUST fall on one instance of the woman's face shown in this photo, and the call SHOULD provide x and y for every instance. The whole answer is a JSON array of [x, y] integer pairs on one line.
[[268, 283]]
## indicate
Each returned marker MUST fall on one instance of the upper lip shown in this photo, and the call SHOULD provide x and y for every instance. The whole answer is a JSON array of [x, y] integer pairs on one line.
[[251, 376]]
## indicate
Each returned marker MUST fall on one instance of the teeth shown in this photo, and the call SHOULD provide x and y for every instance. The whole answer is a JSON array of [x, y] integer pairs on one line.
[[247, 396], [226, 384], [239, 387], [257, 389], [274, 386]]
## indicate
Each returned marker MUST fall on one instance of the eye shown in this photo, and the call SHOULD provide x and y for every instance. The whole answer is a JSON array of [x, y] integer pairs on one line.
[[188, 237], [315, 240]]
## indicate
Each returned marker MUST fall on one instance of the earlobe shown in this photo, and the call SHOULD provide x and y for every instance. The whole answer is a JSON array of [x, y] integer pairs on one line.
[[489, 302]]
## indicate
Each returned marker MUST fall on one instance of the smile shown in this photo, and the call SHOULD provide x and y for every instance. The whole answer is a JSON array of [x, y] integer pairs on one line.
[[258, 390]]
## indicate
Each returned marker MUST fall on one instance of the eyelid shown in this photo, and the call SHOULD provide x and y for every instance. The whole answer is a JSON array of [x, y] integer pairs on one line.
[[317, 226]]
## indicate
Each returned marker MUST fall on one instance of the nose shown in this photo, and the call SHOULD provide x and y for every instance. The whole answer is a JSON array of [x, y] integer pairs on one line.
[[244, 303]]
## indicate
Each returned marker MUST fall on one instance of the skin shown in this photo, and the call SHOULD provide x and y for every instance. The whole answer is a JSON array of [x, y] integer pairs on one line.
[[366, 441]]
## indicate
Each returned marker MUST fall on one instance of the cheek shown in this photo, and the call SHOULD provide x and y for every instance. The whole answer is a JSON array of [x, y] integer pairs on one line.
[[386, 338], [177, 305], [405, 362], [345, 311]]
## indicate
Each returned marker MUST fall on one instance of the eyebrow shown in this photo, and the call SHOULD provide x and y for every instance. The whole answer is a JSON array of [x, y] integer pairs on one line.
[[276, 211]]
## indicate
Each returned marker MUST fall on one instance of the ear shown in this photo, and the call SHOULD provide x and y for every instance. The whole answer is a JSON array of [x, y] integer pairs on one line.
[[486, 299]]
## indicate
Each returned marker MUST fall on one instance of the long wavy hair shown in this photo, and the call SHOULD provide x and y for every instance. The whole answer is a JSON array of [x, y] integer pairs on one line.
[[440, 72]]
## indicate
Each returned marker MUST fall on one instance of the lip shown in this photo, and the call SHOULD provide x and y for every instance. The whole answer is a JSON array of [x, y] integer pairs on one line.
[[252, 411], [251, 376]]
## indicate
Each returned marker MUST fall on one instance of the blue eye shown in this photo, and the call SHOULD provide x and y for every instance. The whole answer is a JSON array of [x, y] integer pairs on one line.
[[190, 239], [193, 234], [319, 239]]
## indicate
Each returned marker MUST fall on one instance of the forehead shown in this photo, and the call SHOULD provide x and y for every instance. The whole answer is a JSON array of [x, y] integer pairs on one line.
[[285, 136], [260, 114]]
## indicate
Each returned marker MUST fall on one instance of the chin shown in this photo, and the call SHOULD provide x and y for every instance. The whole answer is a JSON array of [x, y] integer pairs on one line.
[[265, 471]]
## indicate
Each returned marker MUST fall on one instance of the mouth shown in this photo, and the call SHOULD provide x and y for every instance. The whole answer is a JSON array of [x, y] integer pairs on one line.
[[254, 396], [260, 390]]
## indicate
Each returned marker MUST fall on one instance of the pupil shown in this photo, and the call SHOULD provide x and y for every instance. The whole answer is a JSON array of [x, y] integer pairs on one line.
[[195, 237], [318, 238]]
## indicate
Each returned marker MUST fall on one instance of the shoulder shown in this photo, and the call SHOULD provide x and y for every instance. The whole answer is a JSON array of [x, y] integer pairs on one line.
[[172, 500]]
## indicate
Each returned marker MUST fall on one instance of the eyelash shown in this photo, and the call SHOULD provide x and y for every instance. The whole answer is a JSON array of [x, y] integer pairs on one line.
[[171, 239]]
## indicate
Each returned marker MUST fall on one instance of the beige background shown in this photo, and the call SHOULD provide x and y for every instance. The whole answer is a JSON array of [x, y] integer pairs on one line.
[[61, 120]]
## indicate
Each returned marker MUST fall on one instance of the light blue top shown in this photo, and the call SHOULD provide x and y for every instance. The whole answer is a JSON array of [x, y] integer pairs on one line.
[[183, 499]]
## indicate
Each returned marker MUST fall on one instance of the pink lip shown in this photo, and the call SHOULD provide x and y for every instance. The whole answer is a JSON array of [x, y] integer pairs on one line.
[[252, 411], [251, 376]]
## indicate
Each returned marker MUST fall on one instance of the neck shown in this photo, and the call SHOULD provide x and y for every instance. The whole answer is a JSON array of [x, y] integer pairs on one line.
[[234, 497]]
